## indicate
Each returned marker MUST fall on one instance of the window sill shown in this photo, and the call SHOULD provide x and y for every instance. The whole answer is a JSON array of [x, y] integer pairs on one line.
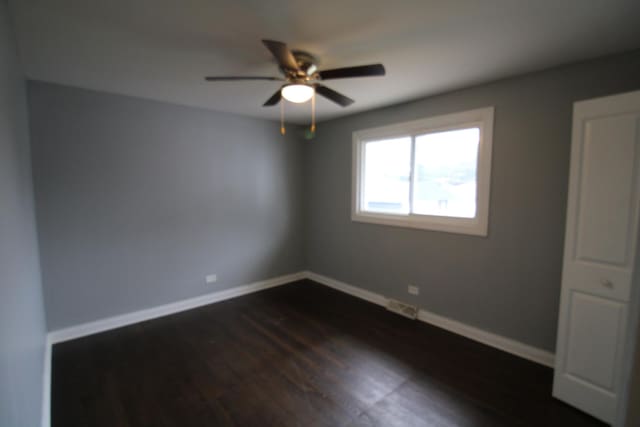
[[469, 226]]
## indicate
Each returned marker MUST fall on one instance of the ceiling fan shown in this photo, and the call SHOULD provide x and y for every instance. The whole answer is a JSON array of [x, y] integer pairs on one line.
[[302, 77]]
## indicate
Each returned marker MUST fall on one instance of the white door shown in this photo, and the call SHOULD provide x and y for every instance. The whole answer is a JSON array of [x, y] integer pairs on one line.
[[602, 221]]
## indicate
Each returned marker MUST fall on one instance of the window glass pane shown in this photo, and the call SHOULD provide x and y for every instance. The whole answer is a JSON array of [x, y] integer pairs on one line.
[[387, 167], [445, 175]]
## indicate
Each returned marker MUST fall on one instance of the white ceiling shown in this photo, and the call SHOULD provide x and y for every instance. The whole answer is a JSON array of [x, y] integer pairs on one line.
[[162, 49]]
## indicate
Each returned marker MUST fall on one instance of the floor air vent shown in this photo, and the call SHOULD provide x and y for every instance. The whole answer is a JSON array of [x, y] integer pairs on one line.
[[403, 309]]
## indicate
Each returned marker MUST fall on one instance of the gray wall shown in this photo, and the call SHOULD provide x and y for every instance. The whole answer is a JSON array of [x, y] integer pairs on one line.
[[22, 326], [507, 283], [138, 200]]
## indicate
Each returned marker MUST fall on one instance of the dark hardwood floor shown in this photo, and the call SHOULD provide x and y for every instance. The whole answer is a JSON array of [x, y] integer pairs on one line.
[[297, 355]]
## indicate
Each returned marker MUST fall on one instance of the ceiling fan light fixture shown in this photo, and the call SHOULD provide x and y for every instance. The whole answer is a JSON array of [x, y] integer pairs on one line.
[[297, 93]]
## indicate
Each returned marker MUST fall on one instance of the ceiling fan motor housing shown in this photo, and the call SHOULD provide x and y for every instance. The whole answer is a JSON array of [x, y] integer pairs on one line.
[[307, 63]]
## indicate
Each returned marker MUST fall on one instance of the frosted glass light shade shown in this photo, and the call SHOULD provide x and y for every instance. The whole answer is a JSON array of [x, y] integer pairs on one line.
[[297, 93]]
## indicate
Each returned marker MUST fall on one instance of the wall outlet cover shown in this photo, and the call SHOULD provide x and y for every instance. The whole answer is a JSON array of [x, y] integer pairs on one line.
[[413, 290], [211, 278]]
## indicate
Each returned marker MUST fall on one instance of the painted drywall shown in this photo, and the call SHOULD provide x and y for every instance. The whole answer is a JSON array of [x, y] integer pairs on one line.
[[22, 323], [137, 201], [507, 283]]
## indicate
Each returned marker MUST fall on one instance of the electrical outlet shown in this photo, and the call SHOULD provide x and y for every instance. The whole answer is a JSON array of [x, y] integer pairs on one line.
[[413, 290], [211, 278]]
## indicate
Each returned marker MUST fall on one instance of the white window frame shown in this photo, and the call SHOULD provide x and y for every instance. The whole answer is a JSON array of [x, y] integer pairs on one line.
[[481, 118]]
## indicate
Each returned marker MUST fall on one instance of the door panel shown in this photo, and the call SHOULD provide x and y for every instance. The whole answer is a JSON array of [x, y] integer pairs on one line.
[[595, 328], [600, 240], [606, 190]]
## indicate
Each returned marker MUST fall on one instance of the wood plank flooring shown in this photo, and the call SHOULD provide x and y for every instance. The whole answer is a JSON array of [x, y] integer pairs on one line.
[[297, 355]]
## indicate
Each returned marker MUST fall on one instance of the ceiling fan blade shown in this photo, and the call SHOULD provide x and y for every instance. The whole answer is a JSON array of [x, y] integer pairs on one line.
[[282, 54], [334, 96], [360, 71], [238, 78], [275, 98]]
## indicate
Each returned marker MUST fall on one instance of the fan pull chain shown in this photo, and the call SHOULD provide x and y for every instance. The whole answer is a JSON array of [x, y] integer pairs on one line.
[[313, 112], [282, 129]]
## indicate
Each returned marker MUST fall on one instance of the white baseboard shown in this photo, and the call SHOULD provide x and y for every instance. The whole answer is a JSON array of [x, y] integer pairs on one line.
[[114, 322], [346, 288], [509, 345], [45, 419]]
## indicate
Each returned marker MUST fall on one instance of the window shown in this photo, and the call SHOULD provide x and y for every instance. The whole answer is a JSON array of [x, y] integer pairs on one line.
[[432, 173]]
